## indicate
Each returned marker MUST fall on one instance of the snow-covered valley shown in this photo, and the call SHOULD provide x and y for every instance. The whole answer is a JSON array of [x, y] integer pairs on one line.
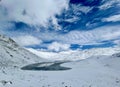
[[94, 70]]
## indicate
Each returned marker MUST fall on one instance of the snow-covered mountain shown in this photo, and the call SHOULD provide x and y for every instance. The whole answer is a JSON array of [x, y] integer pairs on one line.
[[96, 71], [99, 71], [13, 55]]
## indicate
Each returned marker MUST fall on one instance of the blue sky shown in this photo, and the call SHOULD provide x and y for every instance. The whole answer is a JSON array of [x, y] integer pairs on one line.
[[58, 25]]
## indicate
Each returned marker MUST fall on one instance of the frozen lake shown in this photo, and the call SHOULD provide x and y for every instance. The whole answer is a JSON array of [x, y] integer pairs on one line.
[[46, 66]]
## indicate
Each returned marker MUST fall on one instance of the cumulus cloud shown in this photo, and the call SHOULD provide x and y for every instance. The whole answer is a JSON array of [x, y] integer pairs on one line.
[[113, 18], [32, 12], [27, 40], [55, 46]]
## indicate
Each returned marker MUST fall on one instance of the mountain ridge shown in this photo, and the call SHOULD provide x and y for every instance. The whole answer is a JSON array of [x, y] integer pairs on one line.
[[12, 54]]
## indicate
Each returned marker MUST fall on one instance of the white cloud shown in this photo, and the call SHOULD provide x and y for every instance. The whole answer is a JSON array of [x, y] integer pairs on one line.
[[109, 3], [90, 37], [117, 42], [33, 12], [113, 18], [79, 7], [77, 10], [27, 40], [55, 46], [73, 19]]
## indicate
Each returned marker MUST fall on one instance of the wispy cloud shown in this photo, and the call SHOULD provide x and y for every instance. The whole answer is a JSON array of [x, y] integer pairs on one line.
[[109, 4], [113, 18], [91, 37]]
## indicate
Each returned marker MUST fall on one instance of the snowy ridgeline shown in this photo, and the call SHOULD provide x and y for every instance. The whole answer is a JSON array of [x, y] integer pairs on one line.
[[76, 54], [99, 70], [11, 54]]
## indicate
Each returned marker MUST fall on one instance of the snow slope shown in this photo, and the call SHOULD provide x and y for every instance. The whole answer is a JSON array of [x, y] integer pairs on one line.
[[13, 55]]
